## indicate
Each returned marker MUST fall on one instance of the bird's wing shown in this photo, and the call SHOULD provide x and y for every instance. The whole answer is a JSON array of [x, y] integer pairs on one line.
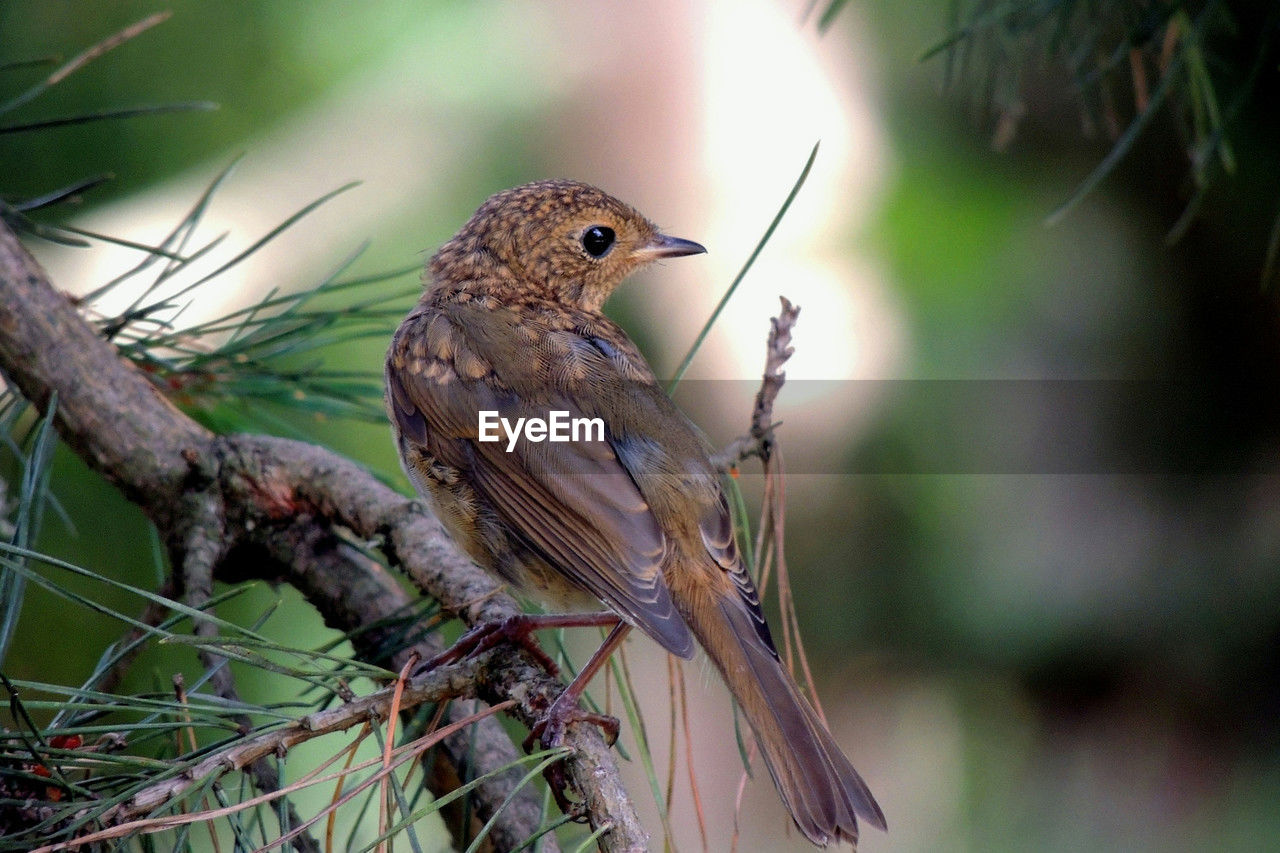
[[570, 502], [716, 527]]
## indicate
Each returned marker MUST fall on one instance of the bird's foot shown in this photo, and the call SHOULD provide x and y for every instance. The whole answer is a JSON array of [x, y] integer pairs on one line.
[[550, 731], [518, 629]]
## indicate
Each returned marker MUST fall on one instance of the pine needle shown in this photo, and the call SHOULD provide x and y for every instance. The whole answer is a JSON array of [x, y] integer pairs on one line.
[[746, 267]]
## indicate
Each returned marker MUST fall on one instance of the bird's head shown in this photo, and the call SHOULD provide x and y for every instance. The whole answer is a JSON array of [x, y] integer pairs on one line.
[[564, 237]]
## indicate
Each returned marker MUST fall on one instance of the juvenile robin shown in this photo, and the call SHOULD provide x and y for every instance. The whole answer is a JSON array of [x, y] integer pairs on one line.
[[624, 519]]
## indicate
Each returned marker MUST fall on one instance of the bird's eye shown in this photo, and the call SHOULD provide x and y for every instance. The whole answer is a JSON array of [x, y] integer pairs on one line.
[[597, 240]]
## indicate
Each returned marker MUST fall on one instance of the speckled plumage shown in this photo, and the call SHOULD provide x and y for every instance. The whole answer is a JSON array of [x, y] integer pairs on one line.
[[511, 322]]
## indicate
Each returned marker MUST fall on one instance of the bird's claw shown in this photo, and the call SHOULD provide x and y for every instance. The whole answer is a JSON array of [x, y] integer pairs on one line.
[[518, 629], [549, 732]]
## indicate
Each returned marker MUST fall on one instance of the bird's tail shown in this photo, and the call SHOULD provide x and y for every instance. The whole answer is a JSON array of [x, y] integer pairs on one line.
[[816, 782]]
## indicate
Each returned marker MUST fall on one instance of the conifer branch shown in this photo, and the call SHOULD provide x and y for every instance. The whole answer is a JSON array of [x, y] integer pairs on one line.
[[287, 509]]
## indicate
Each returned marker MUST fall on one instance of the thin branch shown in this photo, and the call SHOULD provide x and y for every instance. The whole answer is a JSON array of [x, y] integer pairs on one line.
[[779, 350], [127, 817], [352, 590], [759, 439], [442, 683]]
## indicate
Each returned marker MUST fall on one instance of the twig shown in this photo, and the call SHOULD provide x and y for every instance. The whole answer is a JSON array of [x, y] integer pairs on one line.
[[776, 354], [180, 689], [212, 768], [442, 683], [759, 439], [351, 590]]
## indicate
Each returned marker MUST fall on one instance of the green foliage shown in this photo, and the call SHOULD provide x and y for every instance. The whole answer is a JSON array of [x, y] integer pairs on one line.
[[249, 361], [1127, 63], [22, 519], [70, 754], [270, 352], [1109, 50]]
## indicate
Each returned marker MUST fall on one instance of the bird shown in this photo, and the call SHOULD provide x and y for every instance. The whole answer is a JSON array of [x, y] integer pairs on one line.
[[624, 524]]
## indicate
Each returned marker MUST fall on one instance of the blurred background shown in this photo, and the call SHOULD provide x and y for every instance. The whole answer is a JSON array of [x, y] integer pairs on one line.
[[1033, 506]]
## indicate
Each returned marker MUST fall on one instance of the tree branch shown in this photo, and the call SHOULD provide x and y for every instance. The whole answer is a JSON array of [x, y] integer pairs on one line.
[[130, 816], [444, 683], [283, 505]]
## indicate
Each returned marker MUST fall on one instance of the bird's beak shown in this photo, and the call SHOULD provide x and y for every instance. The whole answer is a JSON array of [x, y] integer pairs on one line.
[[663, 246]]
